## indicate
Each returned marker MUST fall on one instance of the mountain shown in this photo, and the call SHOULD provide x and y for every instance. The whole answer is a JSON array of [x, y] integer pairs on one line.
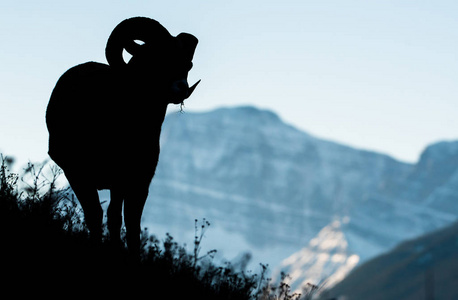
[[327, 253], [269, 188], [423, 268]]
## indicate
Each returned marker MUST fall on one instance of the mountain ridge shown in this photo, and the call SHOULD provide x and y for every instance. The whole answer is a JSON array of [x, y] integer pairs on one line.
[[255, 109]]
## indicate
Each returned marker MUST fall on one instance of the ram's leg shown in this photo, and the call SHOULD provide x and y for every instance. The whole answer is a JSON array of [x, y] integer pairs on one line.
[[114, 216], [133, 208], [89, 200]]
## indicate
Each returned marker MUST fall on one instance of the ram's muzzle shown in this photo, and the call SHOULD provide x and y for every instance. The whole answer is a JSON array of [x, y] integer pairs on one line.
[[181, 90]]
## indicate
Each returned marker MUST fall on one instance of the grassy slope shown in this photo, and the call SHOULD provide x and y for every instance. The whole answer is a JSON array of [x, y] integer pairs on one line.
[[46, 251]]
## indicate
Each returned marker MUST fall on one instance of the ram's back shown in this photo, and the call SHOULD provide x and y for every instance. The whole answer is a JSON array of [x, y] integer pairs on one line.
[[81, 117]]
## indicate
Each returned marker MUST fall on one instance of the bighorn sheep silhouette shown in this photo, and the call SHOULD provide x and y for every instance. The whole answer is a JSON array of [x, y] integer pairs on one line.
[[104, 121]]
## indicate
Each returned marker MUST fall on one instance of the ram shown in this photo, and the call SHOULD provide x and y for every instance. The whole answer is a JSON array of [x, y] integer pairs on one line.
[[104, 121]]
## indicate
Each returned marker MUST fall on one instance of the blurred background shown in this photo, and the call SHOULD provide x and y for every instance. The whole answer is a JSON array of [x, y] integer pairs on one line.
[[321, 136]]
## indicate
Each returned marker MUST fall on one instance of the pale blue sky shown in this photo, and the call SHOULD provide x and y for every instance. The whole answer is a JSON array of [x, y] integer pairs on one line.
[[379, 75]]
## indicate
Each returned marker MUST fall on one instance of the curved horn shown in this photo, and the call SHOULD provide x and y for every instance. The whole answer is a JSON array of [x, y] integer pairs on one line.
[[124, 34]]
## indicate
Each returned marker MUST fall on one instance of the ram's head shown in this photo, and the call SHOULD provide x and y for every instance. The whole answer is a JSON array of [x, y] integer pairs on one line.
[[158, 58]]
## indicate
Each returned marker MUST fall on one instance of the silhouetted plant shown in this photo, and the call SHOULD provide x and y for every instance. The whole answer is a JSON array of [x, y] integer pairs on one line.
[[198, 240], [280, 292], [8, 190], [41, 197]]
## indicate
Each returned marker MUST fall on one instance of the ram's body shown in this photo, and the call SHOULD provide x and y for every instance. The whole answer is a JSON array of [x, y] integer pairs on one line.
[[104, 121], [103, 125]]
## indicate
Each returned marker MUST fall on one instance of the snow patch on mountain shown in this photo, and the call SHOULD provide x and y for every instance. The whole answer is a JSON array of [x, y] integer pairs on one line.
[[326, 260]]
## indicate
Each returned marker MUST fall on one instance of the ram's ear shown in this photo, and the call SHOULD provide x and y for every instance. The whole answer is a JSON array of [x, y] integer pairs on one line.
[[189, 43]]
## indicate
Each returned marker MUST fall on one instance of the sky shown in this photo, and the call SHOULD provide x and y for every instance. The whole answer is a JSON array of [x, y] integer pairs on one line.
[[376, 75]]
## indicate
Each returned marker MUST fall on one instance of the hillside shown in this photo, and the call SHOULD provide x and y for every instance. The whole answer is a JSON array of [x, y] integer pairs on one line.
[[46, 251], [423, 268]]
